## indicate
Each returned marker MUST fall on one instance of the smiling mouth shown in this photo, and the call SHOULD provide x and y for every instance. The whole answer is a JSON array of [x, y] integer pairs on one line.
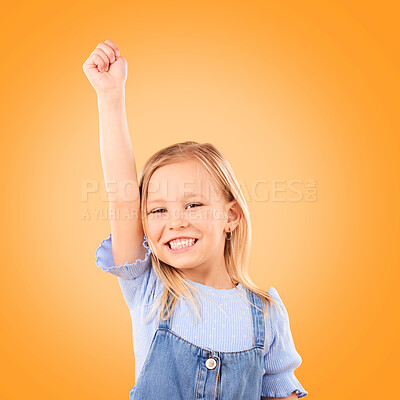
[[180, 248]]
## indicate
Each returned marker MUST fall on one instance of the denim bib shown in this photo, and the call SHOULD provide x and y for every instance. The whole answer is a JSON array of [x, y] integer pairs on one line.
[[176, 369]]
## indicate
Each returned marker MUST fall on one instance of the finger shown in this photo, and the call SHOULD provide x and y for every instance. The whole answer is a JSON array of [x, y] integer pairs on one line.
[[99, 61], [107, 50], [103, 56], [113, 46]]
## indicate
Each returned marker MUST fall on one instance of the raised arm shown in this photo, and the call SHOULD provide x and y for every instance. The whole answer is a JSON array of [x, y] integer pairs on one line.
[[107, 72]]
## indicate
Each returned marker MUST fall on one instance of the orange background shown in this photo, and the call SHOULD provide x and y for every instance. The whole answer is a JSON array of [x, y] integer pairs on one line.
[[292, 90]]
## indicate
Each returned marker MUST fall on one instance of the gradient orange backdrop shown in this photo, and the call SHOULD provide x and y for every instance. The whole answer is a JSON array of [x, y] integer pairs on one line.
[[294, 90]]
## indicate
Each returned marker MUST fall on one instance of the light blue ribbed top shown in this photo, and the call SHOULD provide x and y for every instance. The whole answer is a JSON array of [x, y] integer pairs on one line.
[[225, 324]]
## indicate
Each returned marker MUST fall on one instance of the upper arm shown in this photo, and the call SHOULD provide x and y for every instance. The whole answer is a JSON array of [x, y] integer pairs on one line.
[[127, 232], [293, 396], [281, 358]]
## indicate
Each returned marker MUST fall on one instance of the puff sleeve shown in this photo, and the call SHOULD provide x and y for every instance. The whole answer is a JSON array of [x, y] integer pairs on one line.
[[281, 359], [105, 261], [139, 283]]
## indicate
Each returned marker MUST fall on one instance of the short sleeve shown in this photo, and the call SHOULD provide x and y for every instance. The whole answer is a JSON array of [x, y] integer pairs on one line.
[[281, 359], [105, 261], [139, 283]]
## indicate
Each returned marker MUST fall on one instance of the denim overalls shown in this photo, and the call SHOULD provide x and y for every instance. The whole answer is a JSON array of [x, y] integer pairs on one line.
[[176, 369]]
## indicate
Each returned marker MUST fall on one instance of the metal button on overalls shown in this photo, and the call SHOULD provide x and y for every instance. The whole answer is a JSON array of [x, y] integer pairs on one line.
[[211, 363]]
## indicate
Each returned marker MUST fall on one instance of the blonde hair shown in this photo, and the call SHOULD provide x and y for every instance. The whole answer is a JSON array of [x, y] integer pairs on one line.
[[236, 250]]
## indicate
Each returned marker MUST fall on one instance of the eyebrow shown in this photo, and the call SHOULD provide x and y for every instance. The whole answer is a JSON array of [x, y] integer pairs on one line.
[[186, 196]]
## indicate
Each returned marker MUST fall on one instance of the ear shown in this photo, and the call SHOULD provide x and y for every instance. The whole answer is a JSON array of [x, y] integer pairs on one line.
[[234, 215]]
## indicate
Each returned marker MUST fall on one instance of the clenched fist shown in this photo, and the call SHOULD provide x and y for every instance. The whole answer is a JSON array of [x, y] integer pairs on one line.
[[105, 68]]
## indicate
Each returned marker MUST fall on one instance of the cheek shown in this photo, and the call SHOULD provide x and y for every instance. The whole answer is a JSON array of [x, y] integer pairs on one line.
[[215, 219], [209, 228], [155, 227], [206, 215], [208, 220]]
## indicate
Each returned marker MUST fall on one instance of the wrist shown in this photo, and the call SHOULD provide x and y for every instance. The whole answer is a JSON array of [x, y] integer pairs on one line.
[[111, 94]]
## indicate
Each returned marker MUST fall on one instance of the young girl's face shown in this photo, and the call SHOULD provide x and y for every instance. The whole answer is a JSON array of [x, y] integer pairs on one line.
[[183, 201]]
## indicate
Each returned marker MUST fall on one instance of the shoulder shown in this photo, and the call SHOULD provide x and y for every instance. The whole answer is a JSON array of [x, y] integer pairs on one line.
[[277, 313], [274, 293], [275, 296]]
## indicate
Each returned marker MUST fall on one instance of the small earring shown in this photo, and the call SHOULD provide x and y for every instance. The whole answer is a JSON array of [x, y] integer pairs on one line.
[[230, 235]]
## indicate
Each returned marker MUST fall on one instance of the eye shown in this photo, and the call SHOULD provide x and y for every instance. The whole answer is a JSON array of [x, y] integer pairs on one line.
[[156, 211], [159, 210], [195, 204]]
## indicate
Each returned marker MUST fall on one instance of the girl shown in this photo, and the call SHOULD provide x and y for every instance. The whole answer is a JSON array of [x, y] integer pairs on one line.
[[179, 245]]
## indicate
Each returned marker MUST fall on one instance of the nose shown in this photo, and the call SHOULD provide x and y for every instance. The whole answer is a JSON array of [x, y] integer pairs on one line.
[[177, 220]]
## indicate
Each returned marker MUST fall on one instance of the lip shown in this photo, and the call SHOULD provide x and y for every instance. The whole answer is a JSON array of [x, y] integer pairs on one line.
[[184, 249]]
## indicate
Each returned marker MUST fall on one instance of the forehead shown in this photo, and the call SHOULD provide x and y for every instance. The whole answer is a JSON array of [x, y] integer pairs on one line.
[[181, 180]]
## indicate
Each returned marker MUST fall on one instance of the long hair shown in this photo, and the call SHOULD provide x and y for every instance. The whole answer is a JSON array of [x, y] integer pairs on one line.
[[236, 250]]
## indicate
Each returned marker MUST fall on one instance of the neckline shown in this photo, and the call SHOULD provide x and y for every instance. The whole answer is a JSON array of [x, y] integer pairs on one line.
[[214, 290]]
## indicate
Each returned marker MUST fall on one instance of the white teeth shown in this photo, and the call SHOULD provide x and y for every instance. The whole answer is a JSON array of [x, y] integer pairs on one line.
[[179, 243]]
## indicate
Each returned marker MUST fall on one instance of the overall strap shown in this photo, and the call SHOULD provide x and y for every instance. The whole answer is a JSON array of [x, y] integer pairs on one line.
[[165, 324], [258, 318]]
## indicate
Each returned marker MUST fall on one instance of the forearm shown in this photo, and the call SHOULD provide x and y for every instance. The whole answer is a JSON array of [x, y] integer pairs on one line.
[[117, 157]]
